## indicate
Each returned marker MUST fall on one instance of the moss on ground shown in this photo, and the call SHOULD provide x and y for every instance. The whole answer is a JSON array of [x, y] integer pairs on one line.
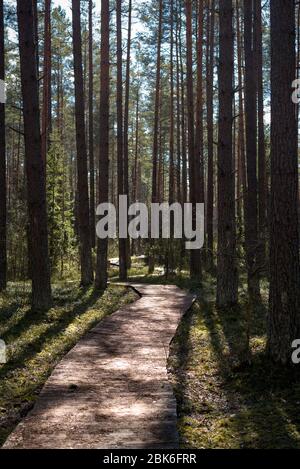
[[37, 341], [226, 397]]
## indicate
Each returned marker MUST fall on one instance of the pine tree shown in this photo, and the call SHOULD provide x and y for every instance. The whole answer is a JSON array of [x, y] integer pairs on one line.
[[35, 168], [227, 279]]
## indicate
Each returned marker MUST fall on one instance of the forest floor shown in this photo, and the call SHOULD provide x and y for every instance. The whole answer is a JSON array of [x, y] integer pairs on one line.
[[223, 402], [112, 389], [37, 342]]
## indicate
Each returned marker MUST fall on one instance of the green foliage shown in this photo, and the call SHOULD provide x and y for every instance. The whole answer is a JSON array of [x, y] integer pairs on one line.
[[36, 342], [60, 206]]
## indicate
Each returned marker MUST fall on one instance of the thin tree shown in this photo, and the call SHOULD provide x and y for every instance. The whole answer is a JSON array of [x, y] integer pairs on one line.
[[262, 180], [102, 248], [199, 149], [178, 109], [120, 136], [126, 119], [183, 118], [227, 277], [35, 168], [155, 151], [199, 110], [210, 135], [194, 167], [172, 130], [242, 176], [170, 245], [3, 209], [91, 129], [284, 312], [46, 110], [82, 172], [251, 212]]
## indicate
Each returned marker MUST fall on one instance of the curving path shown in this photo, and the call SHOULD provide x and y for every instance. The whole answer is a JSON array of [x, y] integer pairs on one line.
[[112, 390]]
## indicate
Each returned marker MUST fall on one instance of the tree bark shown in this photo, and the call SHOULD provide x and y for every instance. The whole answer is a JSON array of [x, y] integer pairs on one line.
[[284, 308], [126, 120], [227, 276], [91, 129], [194, 168], [251, 213], [120, 137], [35, 168], [210, 138], [102, 245], [262, 180], [46, 114], [199, 111], [3, 188], [155, 184], [82, 172]]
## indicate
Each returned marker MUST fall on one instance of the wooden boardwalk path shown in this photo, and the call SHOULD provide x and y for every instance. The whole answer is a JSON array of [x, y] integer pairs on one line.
[[112, 390]]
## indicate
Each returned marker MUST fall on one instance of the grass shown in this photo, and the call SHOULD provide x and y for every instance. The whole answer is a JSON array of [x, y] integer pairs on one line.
[[37, 341], [223, 401], [228, 396]]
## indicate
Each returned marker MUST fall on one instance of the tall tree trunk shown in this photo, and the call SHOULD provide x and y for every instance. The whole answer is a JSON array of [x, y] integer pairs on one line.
[[199, 111], [171, 142], [155, 195], [284, 311], [199, 156], [101, 273], [82, 172], [35, 168], [210, 137], [3, 210], [170, 244], [36, 35], [136, 160], [183, 120], [91, 128], [227, 277], [126, 120], [251, 214], [120, 137], [46, 114], [242, 176], [194, 169], [262, 180], [157, 105], [178, 109]]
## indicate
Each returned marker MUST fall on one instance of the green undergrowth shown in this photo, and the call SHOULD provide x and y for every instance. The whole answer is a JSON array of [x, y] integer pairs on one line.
[[37, 341], [229, 396]]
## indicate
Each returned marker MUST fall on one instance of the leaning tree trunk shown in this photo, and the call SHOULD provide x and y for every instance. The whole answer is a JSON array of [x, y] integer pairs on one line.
[[3, 215], [284, 313], [227, 277], [82, 172], [35, 168], [101, 273]]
